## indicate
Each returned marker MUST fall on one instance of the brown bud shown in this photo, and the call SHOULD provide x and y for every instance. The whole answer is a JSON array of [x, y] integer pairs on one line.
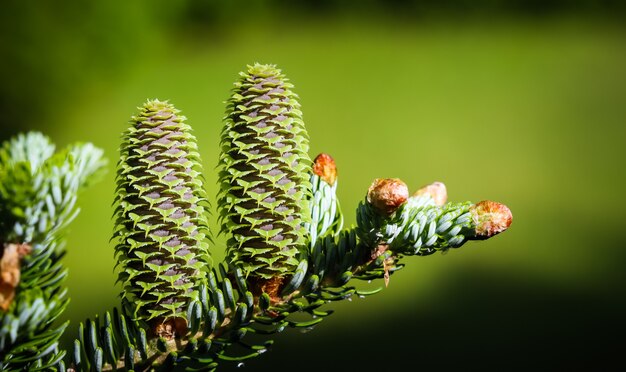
[[437, 190], [324, 167], [387, 194], [490, 218], [170, 328], [10, 271], [271, 286]]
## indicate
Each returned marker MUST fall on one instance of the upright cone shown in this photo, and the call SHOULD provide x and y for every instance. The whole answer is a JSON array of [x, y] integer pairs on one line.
[[161, 220], [264, 175]]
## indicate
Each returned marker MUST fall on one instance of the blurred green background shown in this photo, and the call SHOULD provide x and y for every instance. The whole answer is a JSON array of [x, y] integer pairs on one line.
[[522, 102]]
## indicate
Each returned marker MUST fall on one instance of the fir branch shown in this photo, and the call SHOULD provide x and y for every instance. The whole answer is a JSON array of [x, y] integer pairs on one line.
[[38, 192], [273, 204], [326, 216]]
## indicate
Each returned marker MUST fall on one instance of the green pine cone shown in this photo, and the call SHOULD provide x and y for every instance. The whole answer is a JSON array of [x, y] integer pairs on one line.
[[264, 176], [161, 220]]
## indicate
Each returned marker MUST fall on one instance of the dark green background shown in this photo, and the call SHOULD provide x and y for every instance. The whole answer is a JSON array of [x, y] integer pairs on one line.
[[518, 102]]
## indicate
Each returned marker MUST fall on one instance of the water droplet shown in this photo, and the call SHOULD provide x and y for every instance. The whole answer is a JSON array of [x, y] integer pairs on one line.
[[361, 296], [349, 298], [261, 351], [241, 364], [369, 281], [314, 317]]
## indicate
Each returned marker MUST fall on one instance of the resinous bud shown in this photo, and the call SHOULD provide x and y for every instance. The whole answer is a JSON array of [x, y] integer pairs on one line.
[[490, 218], [436, 190], [324, 166], [387, 194]]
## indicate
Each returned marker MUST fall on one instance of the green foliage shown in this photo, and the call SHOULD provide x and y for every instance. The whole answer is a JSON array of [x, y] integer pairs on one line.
[[264, 175], [274, 204], [288, 253], [418, 227], [161, 218], [38, 191], [326, 216]]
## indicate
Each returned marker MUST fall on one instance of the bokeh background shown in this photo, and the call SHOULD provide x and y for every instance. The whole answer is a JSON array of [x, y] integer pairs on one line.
[[522, 102]]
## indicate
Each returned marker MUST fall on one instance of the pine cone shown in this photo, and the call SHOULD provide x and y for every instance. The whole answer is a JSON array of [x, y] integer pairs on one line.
[[161, 219], [264, 175]]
